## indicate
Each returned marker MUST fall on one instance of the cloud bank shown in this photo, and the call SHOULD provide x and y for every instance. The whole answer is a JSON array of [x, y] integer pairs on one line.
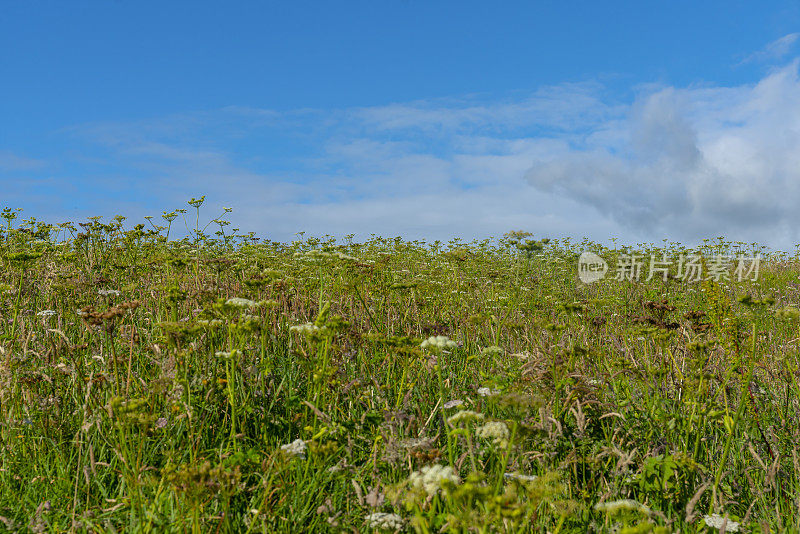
[[694, 162]]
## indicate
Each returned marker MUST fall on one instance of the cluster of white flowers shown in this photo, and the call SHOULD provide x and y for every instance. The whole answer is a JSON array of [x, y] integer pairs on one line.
[[438, 342], [716, 521], [384, 521], [308, 328], [297, 448], [611, 507], [108, 292], [46, 313], [432, 478], [497, 431], [452, 404], [488, 392], [464, 417], [240, 302]]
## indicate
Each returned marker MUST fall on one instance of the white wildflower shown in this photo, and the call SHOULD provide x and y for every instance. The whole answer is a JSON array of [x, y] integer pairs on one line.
[[488, 392], [497, 431], [46, 313], [308, 328], [239, 302], [384, 521], [452, 404], [611, 507], [464, 417], [297, 448], [716, 521], [108, 292], [433, 478], [438, 343]]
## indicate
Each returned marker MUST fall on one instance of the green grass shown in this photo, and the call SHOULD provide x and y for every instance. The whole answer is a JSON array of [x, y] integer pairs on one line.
[[171, 405]]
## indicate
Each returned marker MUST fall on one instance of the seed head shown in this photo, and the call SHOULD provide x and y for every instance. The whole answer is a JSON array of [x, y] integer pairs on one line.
[[438, 343]]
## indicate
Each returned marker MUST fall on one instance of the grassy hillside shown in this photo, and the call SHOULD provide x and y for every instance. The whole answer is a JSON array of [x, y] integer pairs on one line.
[[229, 385]]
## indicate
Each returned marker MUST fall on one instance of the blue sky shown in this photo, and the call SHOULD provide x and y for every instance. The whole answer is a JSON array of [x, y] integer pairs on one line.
[[638, 120]]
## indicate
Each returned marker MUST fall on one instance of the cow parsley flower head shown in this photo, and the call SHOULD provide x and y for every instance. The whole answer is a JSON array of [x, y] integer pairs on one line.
[[497, 431], [239, 302], [464, 417], [433, 478], [487, 392], [297, 448], [438, 343], [305, 329], [108, 292], [46, 313], [384, 521], [716, 521]]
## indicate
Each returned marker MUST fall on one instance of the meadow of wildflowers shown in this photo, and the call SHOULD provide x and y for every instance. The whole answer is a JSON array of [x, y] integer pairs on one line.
[[220, 383]]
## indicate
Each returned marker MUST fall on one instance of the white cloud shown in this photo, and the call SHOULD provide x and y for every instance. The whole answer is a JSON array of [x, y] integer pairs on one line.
[[566, 106], [777, 49], [692, 162]]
